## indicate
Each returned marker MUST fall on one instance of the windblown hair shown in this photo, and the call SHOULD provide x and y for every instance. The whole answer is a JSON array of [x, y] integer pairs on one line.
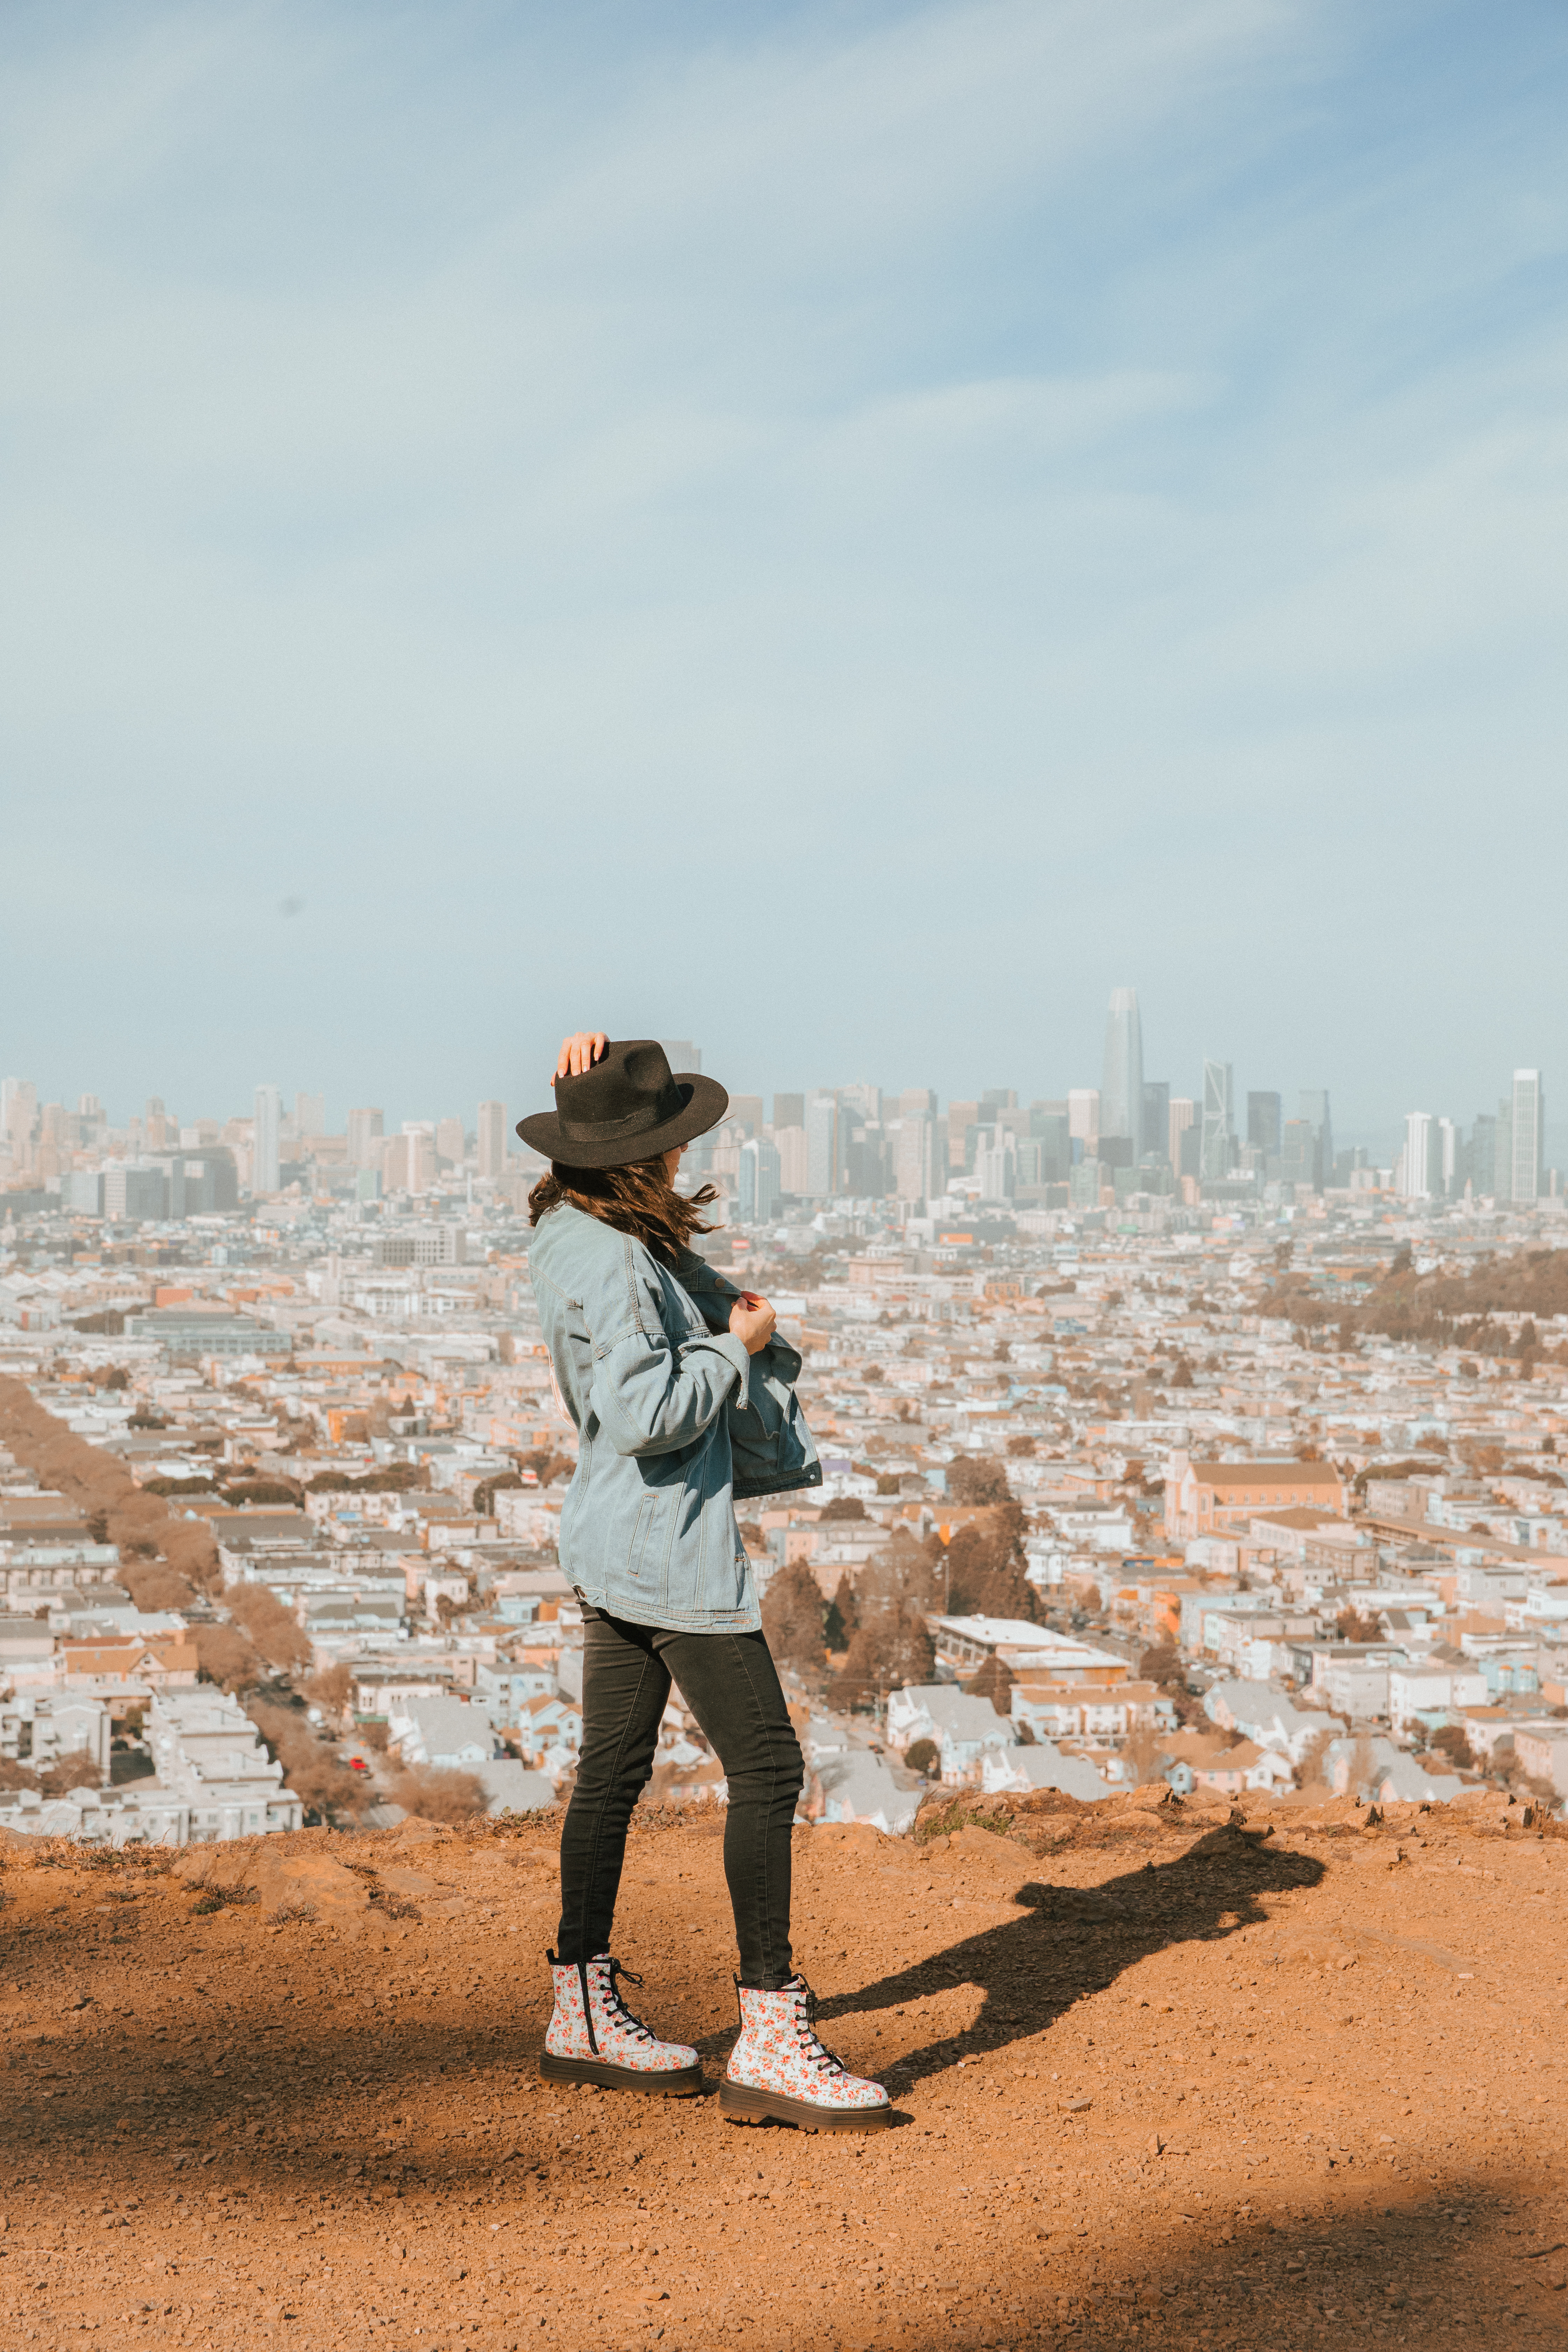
[[638, 1200]]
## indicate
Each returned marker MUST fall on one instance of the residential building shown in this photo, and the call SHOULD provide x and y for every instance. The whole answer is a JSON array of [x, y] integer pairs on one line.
[[1208, 1497]]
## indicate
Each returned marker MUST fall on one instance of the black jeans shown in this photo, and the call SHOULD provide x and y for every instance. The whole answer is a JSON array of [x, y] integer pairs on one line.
[[731, 1686]]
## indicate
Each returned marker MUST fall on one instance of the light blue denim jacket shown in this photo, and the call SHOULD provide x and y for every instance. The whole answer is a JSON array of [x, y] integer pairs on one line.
[[674, 1420]]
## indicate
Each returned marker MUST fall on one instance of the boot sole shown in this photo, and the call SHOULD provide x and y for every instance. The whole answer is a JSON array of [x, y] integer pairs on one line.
[[744, 2104], [677, 2085]]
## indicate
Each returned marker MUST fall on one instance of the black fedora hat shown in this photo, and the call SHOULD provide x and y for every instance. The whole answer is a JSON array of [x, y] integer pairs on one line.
[[629, 1106]]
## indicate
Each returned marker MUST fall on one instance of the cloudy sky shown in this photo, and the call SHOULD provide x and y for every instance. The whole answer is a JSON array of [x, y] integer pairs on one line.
[[844, 531]]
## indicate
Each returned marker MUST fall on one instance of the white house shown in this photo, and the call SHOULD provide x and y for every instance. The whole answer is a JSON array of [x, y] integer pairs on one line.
[[1415, 1691], [1394, 1777], [1353, 1678], [961, 1726], [445, 1732], [210, 1759], [1264, 1716], [1003, 1770], [859, 1786]]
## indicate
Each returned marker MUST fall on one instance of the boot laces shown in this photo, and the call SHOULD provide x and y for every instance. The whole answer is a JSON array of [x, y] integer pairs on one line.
[[812, 2048], [614, 2005]]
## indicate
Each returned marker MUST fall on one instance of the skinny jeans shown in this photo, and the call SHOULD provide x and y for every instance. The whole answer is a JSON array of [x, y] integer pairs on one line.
[[730, 1684]]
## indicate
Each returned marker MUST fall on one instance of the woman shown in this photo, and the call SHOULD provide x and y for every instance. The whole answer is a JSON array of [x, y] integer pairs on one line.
[[683, 1396]]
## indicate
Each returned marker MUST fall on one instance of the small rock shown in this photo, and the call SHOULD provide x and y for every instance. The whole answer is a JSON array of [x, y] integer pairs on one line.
[[1076, 2106]]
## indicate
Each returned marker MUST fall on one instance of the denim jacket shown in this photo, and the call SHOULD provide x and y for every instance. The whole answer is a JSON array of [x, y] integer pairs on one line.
[[674, 1420]]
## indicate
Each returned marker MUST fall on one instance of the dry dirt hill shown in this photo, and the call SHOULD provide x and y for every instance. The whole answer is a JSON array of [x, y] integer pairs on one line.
[[1160, 2077]]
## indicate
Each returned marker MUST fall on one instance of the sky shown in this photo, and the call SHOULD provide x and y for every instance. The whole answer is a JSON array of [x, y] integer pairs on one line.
[[842, 531]]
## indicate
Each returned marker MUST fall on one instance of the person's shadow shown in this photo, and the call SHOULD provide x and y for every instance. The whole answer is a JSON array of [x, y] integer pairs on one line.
[[1075, 1940]]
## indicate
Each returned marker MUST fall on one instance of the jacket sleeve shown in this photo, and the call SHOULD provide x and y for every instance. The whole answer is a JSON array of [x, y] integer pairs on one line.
[[714, 1295], [650, 1393]]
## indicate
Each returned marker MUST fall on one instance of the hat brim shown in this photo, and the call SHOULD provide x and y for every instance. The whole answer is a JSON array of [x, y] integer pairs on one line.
[[706, 1103]]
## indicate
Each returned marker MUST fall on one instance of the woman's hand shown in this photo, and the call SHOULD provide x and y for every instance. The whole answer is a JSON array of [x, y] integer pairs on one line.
[[579, 1052], [751, 1319]]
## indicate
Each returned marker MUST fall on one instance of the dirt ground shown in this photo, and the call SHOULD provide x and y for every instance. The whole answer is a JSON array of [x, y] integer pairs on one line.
[[1159, 2079]]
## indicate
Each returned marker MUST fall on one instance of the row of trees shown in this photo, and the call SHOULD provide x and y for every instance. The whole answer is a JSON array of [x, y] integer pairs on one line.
[[1437, 1309], [257, 1652], [165, 1561]]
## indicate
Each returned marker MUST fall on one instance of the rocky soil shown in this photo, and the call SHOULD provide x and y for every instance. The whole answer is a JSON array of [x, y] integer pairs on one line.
[[1160, 2077]]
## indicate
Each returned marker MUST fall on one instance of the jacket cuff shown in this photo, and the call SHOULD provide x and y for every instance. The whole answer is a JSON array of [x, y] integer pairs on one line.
[[734, 1350]]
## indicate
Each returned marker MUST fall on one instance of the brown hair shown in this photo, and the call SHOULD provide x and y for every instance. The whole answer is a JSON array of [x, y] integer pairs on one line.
[[638, 1200]]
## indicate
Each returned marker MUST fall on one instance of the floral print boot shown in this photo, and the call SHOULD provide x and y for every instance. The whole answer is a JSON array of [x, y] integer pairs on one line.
[[594, 2037], [779, 2069]]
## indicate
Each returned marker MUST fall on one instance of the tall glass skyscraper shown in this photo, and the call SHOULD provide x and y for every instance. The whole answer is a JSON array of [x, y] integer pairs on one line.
[[1526, 1153], [1121, 1094]]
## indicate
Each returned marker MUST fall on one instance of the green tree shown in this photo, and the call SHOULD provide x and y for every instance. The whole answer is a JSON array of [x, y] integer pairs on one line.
[[885, 1653], [992, 1680], [485, 1493], [224, 1656], [977, 1479], [842, 1615], [1161, 1664], [844, 1506], [312, 1765], [273, 1628], [1453, 1742], [792, 1615], [435, 1794]]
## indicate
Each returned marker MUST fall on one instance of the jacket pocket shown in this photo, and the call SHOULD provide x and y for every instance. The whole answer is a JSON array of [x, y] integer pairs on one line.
[[642, 1556]]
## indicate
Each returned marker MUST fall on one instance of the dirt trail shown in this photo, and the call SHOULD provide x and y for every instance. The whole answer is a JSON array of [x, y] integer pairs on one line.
[[1158, 2080]]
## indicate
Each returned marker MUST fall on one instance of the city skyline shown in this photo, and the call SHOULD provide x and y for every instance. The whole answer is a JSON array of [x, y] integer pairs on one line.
[[1138, 1135]]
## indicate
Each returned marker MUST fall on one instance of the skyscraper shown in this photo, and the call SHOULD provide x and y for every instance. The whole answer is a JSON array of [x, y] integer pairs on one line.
[[1218, 1129], [1450, 1149], [995, 1164], [1527, 1153], [18, 1109], [364, 1127], [822, 1145], [1121, 1094], [1083, 1118], [789, 1111], [914, 1158], [1420, 1164], [1183, 1119], [1315, 1111], [264, 1147], [492, 1139], [758, 1184], [1264, 1115], [1155, 1139], [310, 1115]]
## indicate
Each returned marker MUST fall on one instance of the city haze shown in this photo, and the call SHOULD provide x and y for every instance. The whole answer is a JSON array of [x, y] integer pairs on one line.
[[954, 509]]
